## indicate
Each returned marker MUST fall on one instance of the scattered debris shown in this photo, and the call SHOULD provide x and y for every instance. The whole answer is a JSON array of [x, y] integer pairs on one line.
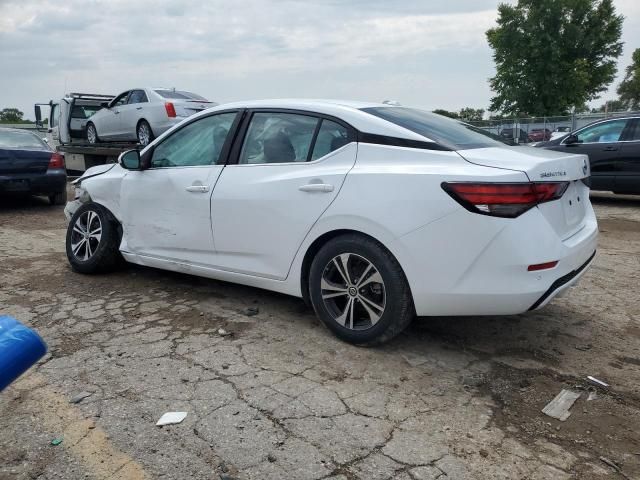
[[414, 359], [615, 467], [56, 441], [584, 347], [473, 380], [170, 418], [223, 333], [271, 457], [560, 405], [251, 311], [592, 396], [597, 382], [80, 396]]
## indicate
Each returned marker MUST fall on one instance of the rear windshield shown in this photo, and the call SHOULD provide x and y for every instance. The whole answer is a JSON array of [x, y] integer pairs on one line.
[[18, 139], [180, 95], [448, 132]]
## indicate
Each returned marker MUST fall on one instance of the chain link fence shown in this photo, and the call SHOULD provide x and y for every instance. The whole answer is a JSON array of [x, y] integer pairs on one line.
[[537, 129]]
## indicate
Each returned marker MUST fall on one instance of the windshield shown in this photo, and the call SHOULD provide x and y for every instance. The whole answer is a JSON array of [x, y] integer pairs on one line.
[[180, 95], [450, 133], [21, 140]]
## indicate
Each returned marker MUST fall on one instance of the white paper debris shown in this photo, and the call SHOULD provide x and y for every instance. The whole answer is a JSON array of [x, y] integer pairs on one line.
[[559, 406], [170, 418]]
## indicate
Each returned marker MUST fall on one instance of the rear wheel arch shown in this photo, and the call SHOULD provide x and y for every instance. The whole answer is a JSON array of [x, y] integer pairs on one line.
[[315, 247]]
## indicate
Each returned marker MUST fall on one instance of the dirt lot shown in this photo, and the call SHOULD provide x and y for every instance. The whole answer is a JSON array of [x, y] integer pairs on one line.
[[281, 398]]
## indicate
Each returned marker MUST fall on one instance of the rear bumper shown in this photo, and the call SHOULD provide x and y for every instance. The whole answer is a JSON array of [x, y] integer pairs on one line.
[[49, 183], [468, 264]]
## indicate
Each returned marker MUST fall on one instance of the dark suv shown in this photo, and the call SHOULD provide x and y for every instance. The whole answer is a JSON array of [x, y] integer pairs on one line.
[[613, 147]]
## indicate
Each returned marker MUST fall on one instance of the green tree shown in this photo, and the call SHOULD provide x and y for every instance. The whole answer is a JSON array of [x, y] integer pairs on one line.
[[610, 106], [446, 113], [471, 114], [11, 115], [629, 88], [552, 55]]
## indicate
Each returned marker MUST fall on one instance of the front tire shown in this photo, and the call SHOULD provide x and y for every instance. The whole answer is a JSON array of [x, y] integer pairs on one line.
[[359, 290], [144, 133], [93, 240], [92, 134]]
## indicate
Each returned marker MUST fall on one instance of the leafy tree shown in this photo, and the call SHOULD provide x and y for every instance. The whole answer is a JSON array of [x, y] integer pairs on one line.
[[471, 114], [610, 106], [11, 115], [446, 113], [629, 88], [553, 54]]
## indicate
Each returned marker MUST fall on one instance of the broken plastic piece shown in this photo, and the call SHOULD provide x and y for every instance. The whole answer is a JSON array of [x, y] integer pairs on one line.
[[560, 405], [170, 418], [597, 382], [56, 441]]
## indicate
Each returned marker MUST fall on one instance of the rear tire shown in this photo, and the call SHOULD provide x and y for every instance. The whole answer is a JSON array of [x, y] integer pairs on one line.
[[93, 240], [92, 134], [365, 311], [144, 133], [59, 198]]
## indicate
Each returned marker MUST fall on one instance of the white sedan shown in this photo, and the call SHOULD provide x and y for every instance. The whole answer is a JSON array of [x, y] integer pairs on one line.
[[371, 213], [141, 114]]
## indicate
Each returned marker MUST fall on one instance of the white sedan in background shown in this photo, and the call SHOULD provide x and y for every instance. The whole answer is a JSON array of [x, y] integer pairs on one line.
[[372, 213], [141, 114]]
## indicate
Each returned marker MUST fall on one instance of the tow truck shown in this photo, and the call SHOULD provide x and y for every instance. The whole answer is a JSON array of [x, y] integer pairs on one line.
[[66, 131]]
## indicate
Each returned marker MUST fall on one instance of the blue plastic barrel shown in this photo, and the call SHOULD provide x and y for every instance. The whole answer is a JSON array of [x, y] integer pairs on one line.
[[20, 348]]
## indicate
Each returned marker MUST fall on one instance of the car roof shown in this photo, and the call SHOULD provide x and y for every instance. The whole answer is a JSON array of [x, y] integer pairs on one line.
[[348, 111]]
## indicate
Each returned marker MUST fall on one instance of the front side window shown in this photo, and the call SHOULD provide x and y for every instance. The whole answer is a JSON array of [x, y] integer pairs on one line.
[[199, 143], [137, 96], [447, 132], [602, 133], [278, 138], [120, 100]]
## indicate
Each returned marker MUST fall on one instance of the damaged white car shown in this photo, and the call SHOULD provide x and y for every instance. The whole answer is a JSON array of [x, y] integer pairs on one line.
[[372, 213]]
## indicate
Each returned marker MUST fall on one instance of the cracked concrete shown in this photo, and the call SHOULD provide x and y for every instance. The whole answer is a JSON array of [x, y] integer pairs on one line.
[[282, 398]]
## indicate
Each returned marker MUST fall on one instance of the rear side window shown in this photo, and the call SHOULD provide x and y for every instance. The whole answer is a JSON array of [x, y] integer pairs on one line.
[[450, 133], [331, 136], [17, 139], [278, 138]]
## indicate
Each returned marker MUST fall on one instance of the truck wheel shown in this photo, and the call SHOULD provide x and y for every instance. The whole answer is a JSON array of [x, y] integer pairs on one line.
[[93, 240], [92, 133], [144, 132], [59, 198]]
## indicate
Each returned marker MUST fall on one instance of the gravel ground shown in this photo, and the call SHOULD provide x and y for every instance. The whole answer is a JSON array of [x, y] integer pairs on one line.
[[281, 398]]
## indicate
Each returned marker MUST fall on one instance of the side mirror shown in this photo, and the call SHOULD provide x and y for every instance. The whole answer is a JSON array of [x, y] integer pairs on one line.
[[130, 160], [571, 140], [104, 104], [38, 113]]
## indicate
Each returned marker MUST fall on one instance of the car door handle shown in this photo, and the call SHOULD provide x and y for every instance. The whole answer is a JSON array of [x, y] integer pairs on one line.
[[316, 187], [198, 188], [610, 149], [116, 112], [138, 108]]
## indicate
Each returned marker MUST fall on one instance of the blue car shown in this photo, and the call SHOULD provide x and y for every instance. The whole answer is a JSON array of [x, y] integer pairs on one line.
[[28, 166]]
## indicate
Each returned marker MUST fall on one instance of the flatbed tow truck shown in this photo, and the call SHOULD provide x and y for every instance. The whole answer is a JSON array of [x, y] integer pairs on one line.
[[66, 131]]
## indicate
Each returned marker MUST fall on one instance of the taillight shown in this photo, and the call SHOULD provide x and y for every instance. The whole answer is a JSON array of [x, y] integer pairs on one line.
[[171, 110], [503, 199], [56, 161]]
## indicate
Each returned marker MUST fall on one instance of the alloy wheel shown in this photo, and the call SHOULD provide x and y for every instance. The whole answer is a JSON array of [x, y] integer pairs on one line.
[[144, 134], [353, 291], [86, 235], [91, 134]]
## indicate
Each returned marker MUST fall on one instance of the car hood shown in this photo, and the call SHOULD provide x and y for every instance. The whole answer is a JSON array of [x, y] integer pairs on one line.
[[94, 171]]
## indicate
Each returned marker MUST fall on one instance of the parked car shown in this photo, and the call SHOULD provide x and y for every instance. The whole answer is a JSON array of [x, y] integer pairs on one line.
[[560, 132], [373, 213], [28, 166], [142, 114], [539, 134], [613, 147], [510, 134]]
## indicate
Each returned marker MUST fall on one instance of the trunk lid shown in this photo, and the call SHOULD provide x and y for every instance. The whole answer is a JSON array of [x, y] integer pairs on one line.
[[23, 161], [186, 108], [566, 215]]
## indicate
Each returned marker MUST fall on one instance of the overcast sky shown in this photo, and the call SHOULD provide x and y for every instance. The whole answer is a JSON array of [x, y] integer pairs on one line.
[[427, 53]]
